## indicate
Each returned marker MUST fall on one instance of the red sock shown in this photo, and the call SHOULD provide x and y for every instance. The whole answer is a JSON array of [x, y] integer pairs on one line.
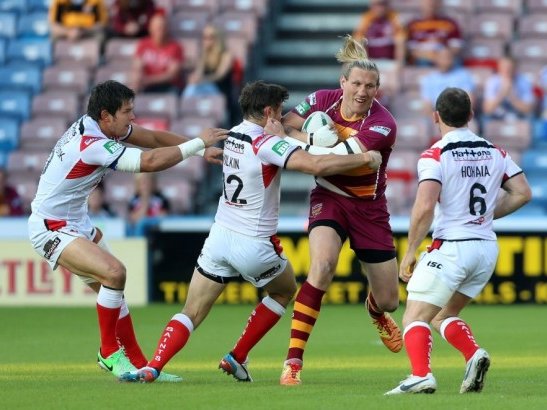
[[108, 317], [418, 342], [458, 334], [126, 336], [373, 309], [306, 311], [260, 322], [174, 337]]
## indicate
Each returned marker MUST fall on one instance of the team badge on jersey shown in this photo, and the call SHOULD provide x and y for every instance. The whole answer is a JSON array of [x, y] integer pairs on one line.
[[112, 146], [280, 148], [381, 129], [303, 108]]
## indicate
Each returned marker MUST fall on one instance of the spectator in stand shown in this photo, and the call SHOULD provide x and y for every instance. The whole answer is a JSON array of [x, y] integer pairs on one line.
[[508, 94], [543, 85], [11, 203], [148, 201], [430, 33], [96, 205], [77, 19], [446, 74], [130, 18], [214, 71], [157, 66], [385, 35]]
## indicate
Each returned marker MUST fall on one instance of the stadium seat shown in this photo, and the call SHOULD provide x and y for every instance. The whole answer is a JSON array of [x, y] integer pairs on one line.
[[178, 190], [20, 161], [8, 24], [66, 78], [192, 127], [406, 5], [407, 104], [84, 52], [161, 105], [538, 184], [212, 106], [20, 6], [119, 188], [533, 26], [3, 43], [34, 24], [38, 5], [490, 25], [462, 6], [153, 123], [15, 103], [512, 7], [9, 134], [209, 6], [113, 72], [536, 6], [192, 49], [534, 162], [120, 50], [530, 49], [479, 49], [25, 183], [411, 77], [238, 23], [258, 7], [57, 103], [480, 75], [21, 76], [34, 50], [239, 46], [516, 134], [413, 133], [42, 133], [188, 23]]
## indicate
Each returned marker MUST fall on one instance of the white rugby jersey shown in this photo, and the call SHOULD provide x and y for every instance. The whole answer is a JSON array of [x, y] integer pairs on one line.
[[471, 171], [75, 166], [249, 203]]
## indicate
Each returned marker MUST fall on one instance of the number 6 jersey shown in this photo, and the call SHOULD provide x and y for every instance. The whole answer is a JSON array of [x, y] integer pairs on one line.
[[471, 171], [251, 180]]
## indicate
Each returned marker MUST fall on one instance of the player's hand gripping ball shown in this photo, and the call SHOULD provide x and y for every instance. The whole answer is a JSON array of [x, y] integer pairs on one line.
[[320, 130]]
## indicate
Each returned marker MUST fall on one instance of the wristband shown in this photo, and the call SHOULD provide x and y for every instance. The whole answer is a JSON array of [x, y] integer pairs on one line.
[[201, 152], [192, 147]]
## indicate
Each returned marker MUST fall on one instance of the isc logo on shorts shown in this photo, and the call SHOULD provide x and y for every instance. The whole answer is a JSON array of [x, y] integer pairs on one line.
[[50, 247]]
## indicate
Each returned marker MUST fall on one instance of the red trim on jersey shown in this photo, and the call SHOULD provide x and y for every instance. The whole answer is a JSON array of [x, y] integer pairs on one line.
[[433, 153], [274, 239], [502, 151], [53, 225], [81, 169], [87, 141], [257, 143], [268, 174], [436, 244]]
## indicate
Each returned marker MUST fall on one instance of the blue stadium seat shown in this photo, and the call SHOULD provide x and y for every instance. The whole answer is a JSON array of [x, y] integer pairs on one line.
[[9, 134], [33, 25], [15, 104], [21, 76], [38, 5], [539, 190], [2, 51], [36, 50], [8, 24], [534, 162], [20, 6]]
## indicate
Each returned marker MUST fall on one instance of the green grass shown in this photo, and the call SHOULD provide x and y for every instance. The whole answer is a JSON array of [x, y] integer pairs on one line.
[[47, 361]]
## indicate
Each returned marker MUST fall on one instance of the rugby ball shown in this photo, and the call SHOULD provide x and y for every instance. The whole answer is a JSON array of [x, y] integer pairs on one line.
[[315, 121]]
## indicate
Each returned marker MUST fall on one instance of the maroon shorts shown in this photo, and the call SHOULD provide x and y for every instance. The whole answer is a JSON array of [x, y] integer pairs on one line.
[[364, 222]]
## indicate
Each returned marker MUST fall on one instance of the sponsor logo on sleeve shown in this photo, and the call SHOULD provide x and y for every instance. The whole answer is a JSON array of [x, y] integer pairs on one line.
[[313, 99], [381, 129], [112, 146], [280, 148], [303, 108]]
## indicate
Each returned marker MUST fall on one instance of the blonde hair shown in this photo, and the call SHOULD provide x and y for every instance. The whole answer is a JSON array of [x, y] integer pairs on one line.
[[213, 56], [354, 54]]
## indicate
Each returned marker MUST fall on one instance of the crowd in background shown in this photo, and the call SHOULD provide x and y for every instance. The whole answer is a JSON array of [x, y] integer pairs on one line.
[[432, 40]]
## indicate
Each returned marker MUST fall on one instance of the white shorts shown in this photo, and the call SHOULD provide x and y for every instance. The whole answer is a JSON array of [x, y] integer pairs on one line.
[[50, 243], [228, 254], [462, 266]]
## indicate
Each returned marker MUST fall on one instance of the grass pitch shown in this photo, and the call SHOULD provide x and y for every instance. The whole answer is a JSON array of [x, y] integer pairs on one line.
[[48, 361]]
